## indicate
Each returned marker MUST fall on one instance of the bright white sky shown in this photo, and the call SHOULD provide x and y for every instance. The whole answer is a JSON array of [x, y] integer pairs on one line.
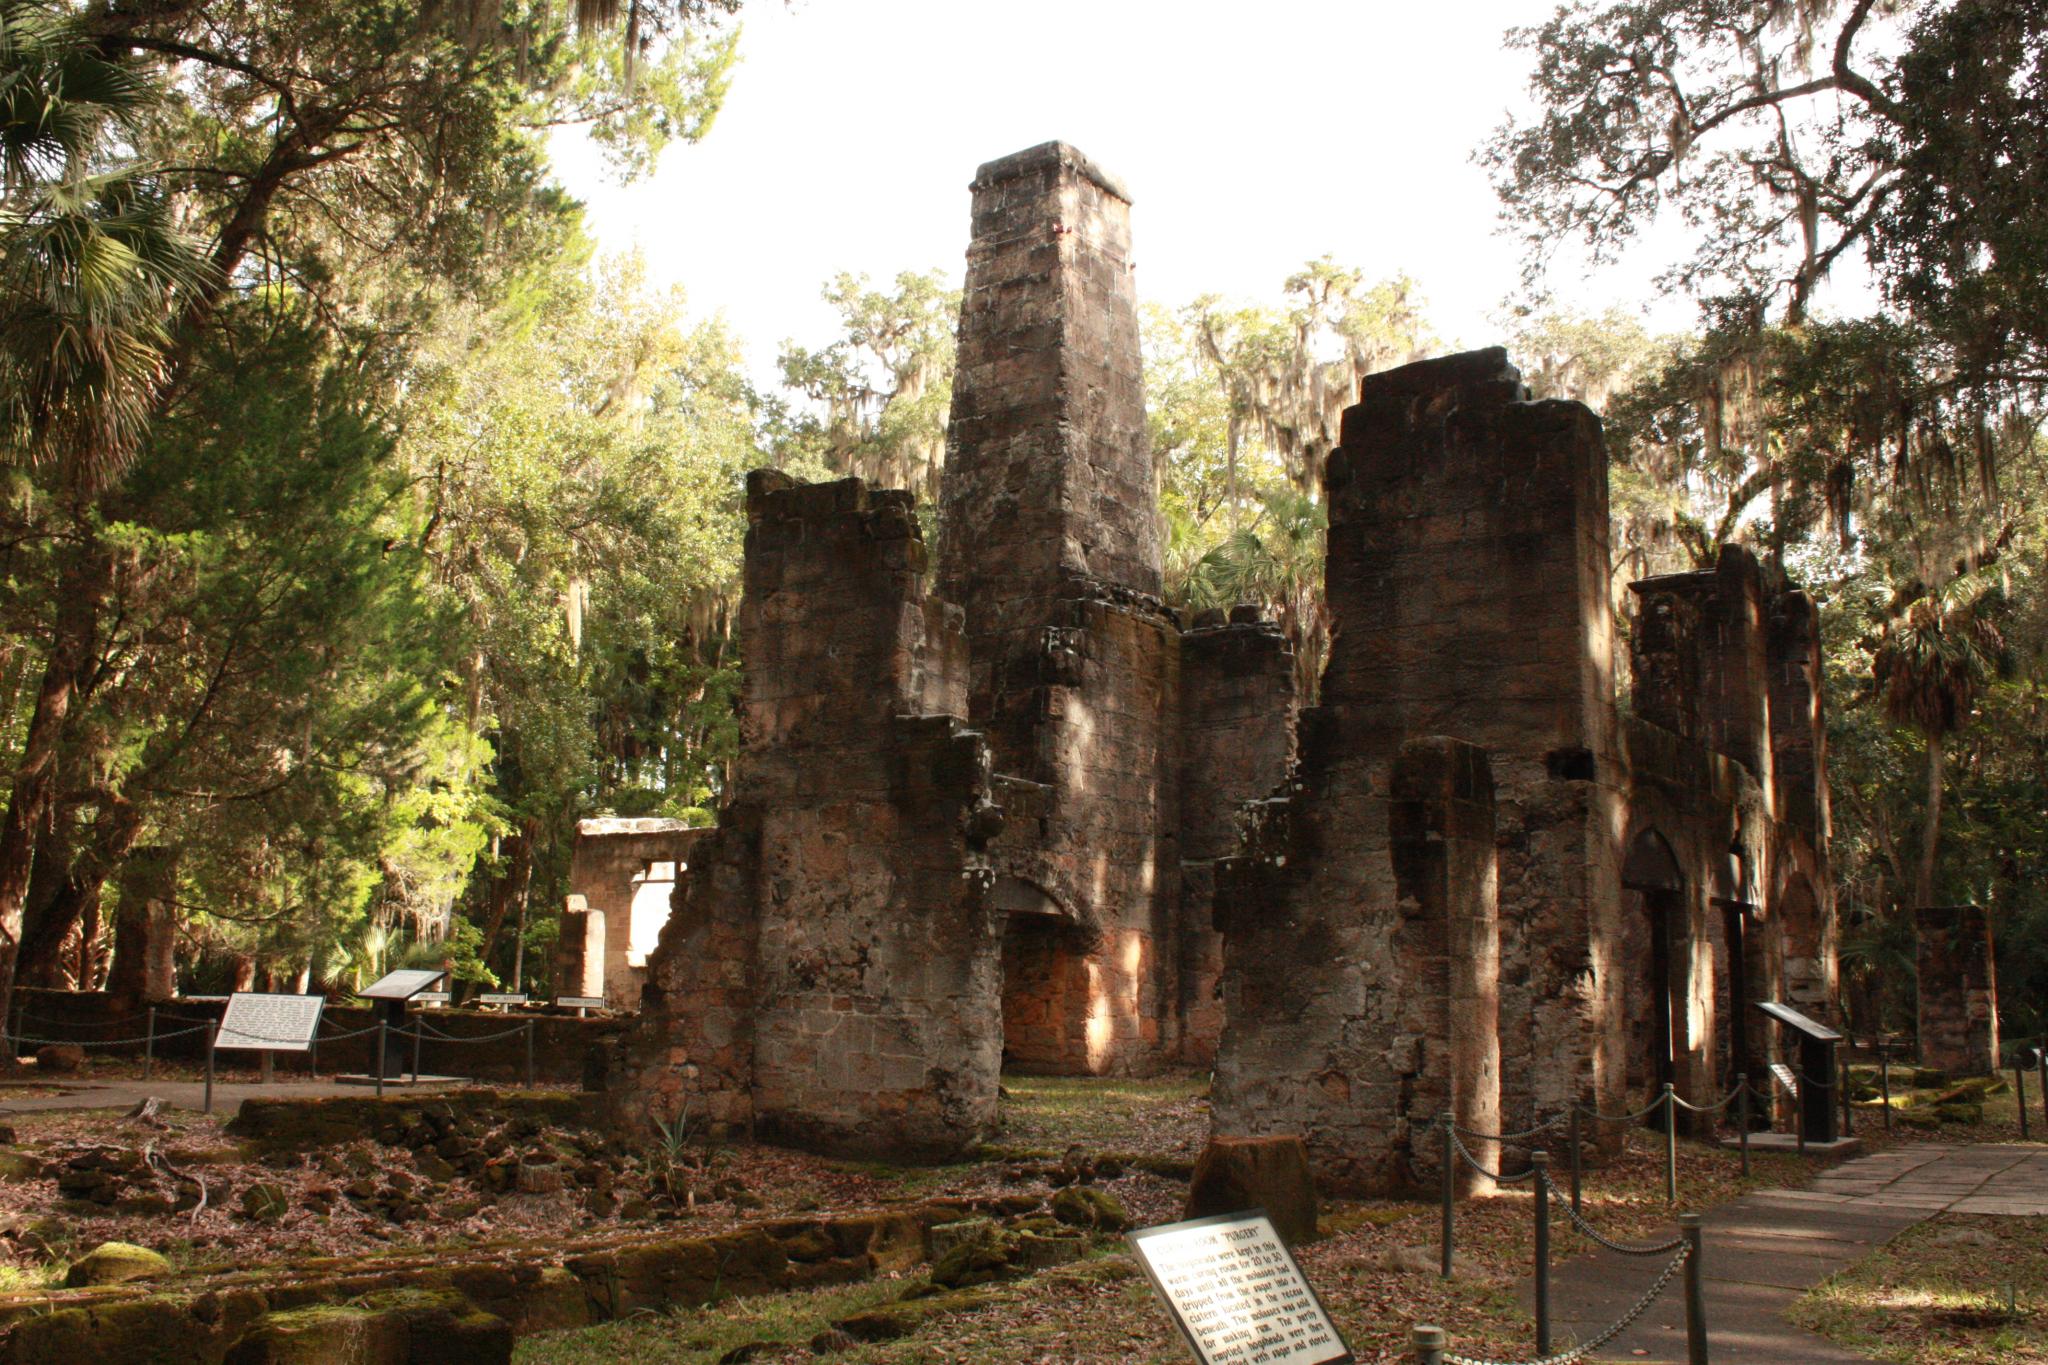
[[1254, 135]]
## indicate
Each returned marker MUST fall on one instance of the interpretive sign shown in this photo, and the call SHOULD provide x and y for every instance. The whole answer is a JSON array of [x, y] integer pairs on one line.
[[1236, 1293], [269, 1023], [509, 999], [403, 985], [580, 1002]]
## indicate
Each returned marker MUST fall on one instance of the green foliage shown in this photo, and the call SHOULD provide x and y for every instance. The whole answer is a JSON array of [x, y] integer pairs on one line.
[[881, 393]]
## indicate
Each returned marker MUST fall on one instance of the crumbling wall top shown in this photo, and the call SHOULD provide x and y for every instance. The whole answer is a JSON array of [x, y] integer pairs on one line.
[[1044, 156]]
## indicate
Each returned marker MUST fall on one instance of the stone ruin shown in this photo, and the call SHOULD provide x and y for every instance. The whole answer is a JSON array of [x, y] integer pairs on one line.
[[1007, 808], [623, 873]]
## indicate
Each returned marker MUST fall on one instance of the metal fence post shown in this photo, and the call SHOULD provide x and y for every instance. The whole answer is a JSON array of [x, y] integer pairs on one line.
[[382, 1029], [419, 1029], [1429, 1345], [1449, 1183], [1742, 1117], [212, 1033], [1884, 1083], [149, 1045], [1695, 1294], [2019, 1082], [529, 1054], [1541, 1162], [2041, 1061], [1670, 1144], [1842, 1088], [1578, 1177]]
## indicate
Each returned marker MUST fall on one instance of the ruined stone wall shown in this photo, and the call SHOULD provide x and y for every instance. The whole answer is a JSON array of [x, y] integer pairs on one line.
[[1050, 519], [831, 975], [1467, 579], [579, 951], [1469, 565], [1236, 741], [625, 868], [1958, 1013], [1799, 757]]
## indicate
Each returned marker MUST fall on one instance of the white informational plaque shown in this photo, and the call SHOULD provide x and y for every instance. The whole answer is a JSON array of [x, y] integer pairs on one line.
[[580, 1002], [1236, 1293], [402, 985], [510, 998], [270, 1023]]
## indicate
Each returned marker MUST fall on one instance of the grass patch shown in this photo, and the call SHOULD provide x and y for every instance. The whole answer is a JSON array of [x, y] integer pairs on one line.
[[1159, 1114], [1961, 1288]]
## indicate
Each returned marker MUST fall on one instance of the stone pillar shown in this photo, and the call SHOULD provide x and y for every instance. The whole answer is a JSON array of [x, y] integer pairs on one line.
[[1468, 569], [1236, 740], [579, 951], [1442, 817], [144, 968], [1050, 542], [1958, 990], [832, 974]]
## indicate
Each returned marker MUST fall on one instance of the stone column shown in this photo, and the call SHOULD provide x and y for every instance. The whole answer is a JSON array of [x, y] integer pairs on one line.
[[1050, 540], [579, 952], [1958, 990]]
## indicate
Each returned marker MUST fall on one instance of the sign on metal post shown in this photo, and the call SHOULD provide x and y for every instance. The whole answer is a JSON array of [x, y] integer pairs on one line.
[[400, 985], [257, 1022], [433, 998], [1236, 1293], [580, 1002], [519, 998]]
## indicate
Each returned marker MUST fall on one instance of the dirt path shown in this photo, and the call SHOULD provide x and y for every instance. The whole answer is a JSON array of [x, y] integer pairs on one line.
[[1766, 1249]]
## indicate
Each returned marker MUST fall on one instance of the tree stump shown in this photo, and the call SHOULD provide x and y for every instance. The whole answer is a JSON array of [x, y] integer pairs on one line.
[[1272, 1173]]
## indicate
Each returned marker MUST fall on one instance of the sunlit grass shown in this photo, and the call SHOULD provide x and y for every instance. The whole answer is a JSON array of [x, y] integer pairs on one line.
[[1957, 1289]]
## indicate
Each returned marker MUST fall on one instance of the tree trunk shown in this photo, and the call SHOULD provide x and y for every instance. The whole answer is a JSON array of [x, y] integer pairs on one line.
[[1930, 832], [71, 892], [34, 794], [512, 887], [145, 930]]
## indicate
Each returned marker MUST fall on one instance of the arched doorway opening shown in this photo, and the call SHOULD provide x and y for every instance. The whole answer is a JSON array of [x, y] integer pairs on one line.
[[1047, 990]]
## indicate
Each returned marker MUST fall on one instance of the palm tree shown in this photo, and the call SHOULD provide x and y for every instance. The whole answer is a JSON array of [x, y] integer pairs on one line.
[[92, 264], [1930, 668]]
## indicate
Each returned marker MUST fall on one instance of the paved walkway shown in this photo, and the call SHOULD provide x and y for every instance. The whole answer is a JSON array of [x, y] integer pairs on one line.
[[1766, 1249], [227, 1096]]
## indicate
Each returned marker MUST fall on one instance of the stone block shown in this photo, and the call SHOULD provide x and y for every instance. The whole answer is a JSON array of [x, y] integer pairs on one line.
[[1272, 1173]]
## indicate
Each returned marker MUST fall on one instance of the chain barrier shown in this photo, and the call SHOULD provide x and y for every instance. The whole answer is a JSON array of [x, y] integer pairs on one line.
[[1511, 1138], [26, 1018], [433, 1032], [1713, 1108], [18, 1040], [1643, 1113], [1459, 1144], [1593, 1234], [1592, 1344]]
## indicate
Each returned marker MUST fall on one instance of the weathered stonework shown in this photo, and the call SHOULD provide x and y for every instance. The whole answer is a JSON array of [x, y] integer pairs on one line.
[[627, 870], [1236, 741], [1050, 543], [1958, 990], [831, 976], [1384, 961], [1034, 816]]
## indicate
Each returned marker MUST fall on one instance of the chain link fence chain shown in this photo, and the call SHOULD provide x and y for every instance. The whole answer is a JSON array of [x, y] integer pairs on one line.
[[1594, 1234], [1512, 1138], [103, 1042], [1586, 1348]]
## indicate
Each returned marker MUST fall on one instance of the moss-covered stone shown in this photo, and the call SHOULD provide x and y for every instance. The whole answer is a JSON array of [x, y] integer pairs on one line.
[[1084, 1206], [115, 1263], [324, 1335]]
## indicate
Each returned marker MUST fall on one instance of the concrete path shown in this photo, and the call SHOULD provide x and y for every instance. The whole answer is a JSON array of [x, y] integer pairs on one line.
[[1768, 1248], [227, 1097]]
